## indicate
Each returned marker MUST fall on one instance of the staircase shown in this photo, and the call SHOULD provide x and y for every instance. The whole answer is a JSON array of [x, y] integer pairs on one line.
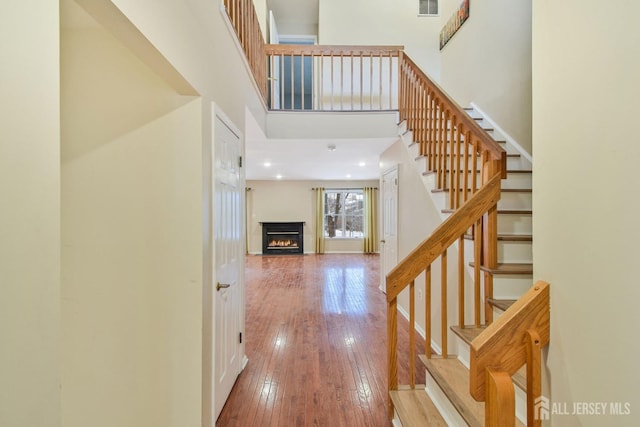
[[490, 372]]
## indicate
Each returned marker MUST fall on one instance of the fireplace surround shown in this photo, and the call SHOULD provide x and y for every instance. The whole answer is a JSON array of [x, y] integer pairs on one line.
[[282, 238]]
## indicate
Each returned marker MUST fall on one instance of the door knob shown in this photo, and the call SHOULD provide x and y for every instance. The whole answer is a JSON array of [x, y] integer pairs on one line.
[[383, 241], [222, 286]]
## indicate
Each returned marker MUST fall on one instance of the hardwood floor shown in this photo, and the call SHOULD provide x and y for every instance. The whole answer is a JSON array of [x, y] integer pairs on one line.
[[316, 343]]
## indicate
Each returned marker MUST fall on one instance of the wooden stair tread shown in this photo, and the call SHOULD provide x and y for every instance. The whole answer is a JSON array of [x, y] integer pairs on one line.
[[508, 237], [468, 332], [508, 268], [502, 211], [453, 379], [414, 408], [502, 304]]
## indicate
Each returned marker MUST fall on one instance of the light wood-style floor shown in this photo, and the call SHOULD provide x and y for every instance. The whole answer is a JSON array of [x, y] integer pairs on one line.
[[316, 343]]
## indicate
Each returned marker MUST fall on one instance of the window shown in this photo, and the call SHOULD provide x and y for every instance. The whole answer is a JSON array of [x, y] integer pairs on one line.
[[428, 7], [344, 214]]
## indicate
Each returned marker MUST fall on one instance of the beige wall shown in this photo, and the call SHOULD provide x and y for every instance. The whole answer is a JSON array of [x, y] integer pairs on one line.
[[293, 201], [417, 218], [381, 22], [585, 68], [29, 216], [488, 62], [131, 240]]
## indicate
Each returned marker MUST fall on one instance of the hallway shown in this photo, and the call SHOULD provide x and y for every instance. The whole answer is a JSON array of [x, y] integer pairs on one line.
[[316, 343]]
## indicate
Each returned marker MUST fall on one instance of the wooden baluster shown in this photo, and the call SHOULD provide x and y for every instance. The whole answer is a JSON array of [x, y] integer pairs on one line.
[[452, 173], [424, 119], [281, 81], [461, 281], [534, 376], [477, 260], [432, 132], [302, 80], [490, 238], [362, 81], [427, 311], [465, 156], [412, 335], [421, 122], [392, 349], [443, 149], [341, 80], [500, 406], [458, 177], [370, 80], [474, 166], [443, 308], [380, 71], [353, 57], [390, 80], [293, 89], [332, 81]]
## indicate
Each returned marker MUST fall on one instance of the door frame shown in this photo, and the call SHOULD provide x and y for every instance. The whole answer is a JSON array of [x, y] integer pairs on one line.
[[209, 265], [383, 246]]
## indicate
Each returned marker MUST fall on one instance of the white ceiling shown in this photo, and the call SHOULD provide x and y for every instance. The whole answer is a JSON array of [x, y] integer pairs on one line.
[[295, 158]]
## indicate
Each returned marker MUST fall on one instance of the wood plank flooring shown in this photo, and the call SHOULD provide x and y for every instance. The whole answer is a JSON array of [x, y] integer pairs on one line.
[[316, 342]]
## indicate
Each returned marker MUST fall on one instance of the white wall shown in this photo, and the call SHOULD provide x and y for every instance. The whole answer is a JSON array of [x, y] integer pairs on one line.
[[417, 218], [293, 201], [131, 240], [29, 216], [381, 22], [586, 61], [488, 62]]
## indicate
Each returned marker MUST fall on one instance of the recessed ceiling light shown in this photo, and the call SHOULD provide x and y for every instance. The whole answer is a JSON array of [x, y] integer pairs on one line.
[[361, 164], [278, 176], [267, 164], [348, 175]]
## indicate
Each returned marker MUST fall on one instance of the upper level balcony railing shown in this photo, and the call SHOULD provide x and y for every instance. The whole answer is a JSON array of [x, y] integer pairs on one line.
[[333, 78]]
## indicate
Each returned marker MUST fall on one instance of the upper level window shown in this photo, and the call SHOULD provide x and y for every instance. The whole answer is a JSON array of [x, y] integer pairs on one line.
[[428, 7], [344, 214]]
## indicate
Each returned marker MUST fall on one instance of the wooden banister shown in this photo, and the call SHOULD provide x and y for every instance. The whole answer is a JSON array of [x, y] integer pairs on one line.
[[487, 143], [442, 237], [328, 50], [503, 344]]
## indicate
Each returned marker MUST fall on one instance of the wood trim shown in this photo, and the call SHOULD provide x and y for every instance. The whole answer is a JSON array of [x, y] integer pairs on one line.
[[442, 237], [488, 144], [327, 50], [503, 344], [500, 409]]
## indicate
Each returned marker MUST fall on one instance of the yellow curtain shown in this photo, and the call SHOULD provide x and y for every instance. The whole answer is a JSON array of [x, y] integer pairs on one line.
[[370, 220], [319, 220]]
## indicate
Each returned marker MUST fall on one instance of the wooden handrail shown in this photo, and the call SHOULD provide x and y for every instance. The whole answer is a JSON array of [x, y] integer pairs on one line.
[[487, 143], [442, 237], [503, 344], [327, 50]]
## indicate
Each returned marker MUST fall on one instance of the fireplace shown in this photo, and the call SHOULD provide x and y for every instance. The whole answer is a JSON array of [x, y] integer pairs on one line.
[[280, 238]]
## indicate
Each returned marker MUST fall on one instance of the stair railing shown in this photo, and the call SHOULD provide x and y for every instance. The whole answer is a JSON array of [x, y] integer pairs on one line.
[[244, 20], [469, 165], [333, 78], [515, 338]]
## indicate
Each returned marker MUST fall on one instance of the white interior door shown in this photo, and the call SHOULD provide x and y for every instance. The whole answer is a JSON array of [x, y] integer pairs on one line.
[[389, 240], [228, 293], [274, 38]]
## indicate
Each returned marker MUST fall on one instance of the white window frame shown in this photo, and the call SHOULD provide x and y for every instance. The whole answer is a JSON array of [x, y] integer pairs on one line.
[[343, 213], [436, 13]]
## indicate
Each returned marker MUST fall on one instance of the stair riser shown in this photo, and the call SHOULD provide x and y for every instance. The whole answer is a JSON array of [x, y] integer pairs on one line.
[[508, 251], [511, 286], [508, 200], [514, 224], [517, 252], [515, 200], [444, 405]]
